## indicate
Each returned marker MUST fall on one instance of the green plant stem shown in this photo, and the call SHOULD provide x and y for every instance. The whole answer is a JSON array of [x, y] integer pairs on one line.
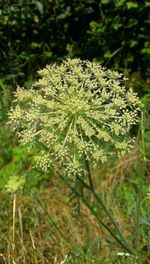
[[89, 174], [100, 202], [142, 136], [123, 244], [137, 223]]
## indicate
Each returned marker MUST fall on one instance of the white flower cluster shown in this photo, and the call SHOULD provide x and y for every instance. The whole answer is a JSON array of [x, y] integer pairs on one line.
[[15, 184], [76, 109]]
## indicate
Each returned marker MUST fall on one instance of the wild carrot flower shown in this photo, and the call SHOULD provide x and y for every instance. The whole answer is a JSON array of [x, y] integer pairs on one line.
[[75, 111]]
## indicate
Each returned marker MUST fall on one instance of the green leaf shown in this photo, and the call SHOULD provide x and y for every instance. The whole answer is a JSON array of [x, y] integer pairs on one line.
[[105, 1], [131, 5], [147, 4], [133, 43], [39, 6]]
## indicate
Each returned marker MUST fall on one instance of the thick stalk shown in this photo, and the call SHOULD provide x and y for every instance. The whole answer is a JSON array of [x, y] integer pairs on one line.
[[100, 202], [89, 174], [121, 242], [102, 206]]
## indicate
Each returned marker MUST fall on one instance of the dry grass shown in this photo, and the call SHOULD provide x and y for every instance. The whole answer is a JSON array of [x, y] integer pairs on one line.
[[32, 238], [115, 175], [28, 235]]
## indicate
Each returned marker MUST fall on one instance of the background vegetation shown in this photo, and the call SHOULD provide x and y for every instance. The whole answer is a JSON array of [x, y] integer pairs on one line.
[[49, 230], [33, 33]]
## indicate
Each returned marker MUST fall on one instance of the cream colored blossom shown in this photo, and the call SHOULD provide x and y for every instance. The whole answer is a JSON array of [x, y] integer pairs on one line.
[[15, 184], [23, 94], [43, 161], [76, 110]]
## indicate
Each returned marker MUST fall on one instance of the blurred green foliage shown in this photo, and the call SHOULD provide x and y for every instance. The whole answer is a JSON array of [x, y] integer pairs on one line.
[[16, 160], [34, 33], [121, 35]]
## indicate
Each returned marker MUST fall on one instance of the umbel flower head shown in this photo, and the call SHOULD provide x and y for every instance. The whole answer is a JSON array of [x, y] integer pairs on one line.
[[15, 184], [75, 111]]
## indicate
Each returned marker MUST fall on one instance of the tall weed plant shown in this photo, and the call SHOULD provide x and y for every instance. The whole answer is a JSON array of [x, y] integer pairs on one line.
[[79, 116]]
